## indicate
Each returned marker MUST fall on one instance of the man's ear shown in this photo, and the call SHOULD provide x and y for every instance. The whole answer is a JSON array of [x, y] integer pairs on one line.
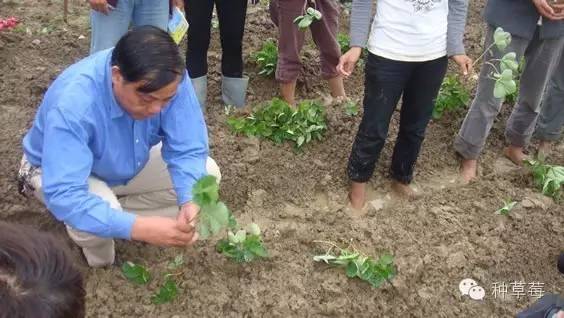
[[117, 78]]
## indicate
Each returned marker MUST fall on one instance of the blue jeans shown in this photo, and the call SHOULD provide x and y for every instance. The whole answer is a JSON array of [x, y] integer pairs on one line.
[[108, 29]]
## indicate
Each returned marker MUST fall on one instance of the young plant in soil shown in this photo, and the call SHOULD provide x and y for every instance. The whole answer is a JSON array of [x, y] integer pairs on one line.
[[507, 207], [505, 75], [344, 42], [169, 289], [351, 108], [547, 178], [214, 215], [452, 96], [135, 273], [243, 246], [267, 58], [356, 264], [279, 122], [311, 15]]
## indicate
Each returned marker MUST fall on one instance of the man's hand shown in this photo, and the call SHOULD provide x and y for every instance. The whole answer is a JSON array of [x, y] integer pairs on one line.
[[464, 63], [187, 214], [100, 6], [179, 4], [554, 12], [163, 231], [348, 61]]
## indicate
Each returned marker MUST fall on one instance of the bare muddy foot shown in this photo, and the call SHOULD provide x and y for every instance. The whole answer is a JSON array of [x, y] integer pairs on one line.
[[544, 149], [515, 154], [357, 195], [468, 170], [403, 190]]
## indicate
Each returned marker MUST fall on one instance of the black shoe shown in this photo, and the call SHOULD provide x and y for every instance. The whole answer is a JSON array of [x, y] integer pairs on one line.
[[561, 263]]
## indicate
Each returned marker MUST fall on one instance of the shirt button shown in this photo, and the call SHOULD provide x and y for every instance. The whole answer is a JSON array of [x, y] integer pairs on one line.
[[136, 141], [138, 163]]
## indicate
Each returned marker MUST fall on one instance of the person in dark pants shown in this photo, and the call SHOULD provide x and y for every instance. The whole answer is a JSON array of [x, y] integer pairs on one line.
[[408, 49], [231, 15]]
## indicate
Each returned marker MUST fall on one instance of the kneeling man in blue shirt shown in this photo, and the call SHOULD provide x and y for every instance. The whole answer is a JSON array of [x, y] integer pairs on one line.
[[116, 146]]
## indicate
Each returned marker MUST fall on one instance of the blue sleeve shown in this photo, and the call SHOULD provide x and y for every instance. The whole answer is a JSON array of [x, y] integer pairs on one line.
[[185, 142], [66, 165]]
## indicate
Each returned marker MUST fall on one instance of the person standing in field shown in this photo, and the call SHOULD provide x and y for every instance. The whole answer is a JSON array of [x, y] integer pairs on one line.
[[409, 45], [291, 41], [231, 15], [110, 19], [551, 117], [537, 31], [116, 146]]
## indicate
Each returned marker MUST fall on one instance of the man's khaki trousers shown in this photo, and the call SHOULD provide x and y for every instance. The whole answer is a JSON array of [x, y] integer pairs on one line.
[[150, 193]]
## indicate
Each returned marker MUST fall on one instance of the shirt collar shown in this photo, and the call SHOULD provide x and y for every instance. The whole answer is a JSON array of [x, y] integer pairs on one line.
[[115, 109]]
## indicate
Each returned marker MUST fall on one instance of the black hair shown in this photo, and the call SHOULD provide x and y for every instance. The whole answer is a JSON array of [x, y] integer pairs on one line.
[[147, 53], [37, 277]]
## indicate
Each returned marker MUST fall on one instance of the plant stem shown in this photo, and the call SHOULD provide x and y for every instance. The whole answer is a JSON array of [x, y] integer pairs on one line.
[[484, 53]]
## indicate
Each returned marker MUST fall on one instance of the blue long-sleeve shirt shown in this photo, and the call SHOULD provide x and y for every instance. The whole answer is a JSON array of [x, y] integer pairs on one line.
[[80, 130]]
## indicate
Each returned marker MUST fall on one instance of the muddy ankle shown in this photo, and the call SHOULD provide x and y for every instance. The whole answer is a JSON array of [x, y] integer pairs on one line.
[[516, 155], [468, 171], [403, 190]]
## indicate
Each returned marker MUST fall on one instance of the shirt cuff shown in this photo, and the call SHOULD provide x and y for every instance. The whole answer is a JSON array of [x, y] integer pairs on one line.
[[183, 195], [122, 224]]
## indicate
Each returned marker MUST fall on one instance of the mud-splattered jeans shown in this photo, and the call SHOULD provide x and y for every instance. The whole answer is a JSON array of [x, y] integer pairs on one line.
[[385, 81], [291, 39]]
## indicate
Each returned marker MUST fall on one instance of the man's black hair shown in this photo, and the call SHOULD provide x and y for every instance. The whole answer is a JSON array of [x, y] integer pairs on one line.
[[148, 54], [37, 277]]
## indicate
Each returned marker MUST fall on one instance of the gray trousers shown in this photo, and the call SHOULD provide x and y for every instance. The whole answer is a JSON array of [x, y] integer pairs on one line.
[[551, 118], [541, 58]]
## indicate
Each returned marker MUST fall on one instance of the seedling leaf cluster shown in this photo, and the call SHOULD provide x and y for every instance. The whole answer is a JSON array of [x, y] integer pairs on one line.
[[547, 178], [304, 21], [452, 95], [244, 245], [279, 122], [267, 58], [214, 215], [361, 266]]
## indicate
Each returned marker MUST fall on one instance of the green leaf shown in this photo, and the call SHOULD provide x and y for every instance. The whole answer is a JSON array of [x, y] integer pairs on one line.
[[509, 62], [212, 218], [386, 259], [351, 270], [305, 22], [501, 39], [253, 229], [135, 273], [166, 293], [205, 191]]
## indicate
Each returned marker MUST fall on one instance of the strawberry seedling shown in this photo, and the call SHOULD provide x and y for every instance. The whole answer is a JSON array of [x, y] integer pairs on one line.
[[364, 267], [344, 42], [267, 58], [304, 21], [279, 122], [243, 246], [505, 75], [547, 178], [135, 273], [452, 95], [214, 214], [351, 108], [507, 207], [167, 292]]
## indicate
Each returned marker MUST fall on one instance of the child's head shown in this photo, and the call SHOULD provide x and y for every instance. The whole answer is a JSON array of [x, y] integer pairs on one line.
[[37, 278]]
